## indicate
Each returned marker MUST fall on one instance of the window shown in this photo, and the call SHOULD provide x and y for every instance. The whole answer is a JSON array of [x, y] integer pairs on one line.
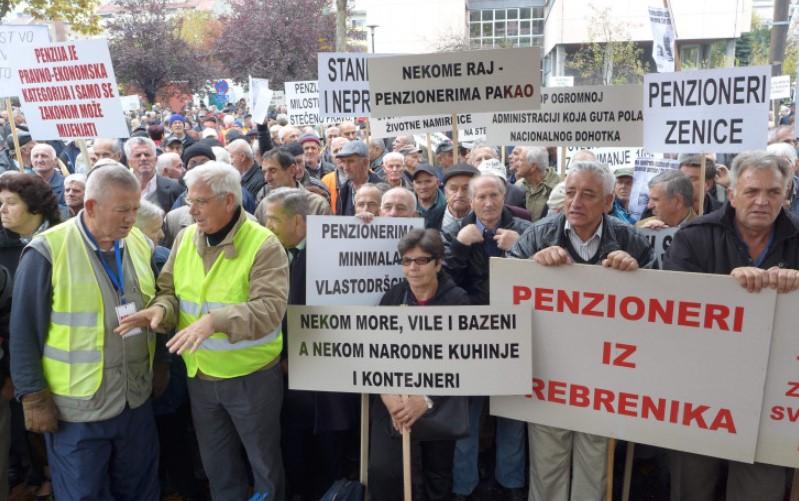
[[512, 27]]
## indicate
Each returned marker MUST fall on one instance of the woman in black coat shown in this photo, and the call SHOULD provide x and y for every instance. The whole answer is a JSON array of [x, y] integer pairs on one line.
[[425, 284]]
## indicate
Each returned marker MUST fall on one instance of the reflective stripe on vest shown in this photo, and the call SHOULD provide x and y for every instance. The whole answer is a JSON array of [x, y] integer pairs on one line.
[[72, 359], [227, 283]]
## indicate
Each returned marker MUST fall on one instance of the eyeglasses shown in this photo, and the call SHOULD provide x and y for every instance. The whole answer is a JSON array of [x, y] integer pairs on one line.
[[201, 202], [421, 260]]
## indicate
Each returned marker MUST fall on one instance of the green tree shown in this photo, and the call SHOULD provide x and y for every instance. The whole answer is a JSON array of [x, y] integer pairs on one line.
[[752, 49], [80, 14]]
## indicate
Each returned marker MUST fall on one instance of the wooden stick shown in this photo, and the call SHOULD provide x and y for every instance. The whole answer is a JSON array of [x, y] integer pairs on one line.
[[701, 185], [795, 486], [364, 473], [368, 132], [407, 485], [429, 149], [14, 135], [562, 162], [628, 471], [609, 483], [85, 152], [456, 156]]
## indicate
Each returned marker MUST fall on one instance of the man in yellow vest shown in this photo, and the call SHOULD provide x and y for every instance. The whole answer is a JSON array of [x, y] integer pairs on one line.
[[85, 387], [224, 288]]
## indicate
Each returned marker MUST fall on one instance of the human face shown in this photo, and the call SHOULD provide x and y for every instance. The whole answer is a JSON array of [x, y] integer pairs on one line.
[[104, 148], [142, 162], [393, 169], [398, 143], [356, 168], [43, 160], [349, 131], [664, 208], [175, 147], [311, 151], [757, 197], [420, 276], [25, 151], [195, 161], [411, 161], [276, 176], [368, 200], [332, 133], [488, 200], [211, 211], [693, 172], [396, 204], [175, 169], [154, 230], [426, 187], [457, 192], [177, 128], [786, 135], [291, 135], [282, 225], [14, 212], [444, 159], [585, 202], [623, 187], [516, 155], [113, 214], [73, 194], [481, 154]]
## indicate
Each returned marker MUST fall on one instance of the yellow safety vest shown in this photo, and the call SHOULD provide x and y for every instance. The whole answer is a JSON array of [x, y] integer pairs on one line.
[[226, 283], [73, 351]]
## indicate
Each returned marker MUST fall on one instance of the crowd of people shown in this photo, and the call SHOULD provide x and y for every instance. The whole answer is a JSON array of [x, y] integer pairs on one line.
[[144, 285]]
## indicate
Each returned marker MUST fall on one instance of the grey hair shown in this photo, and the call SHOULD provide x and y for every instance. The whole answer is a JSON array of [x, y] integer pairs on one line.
[[607, 179], [222, 178], [293, 201], [137, 141], [221, 154], [39, 146], [115, 146], [776, 131], [75, 178], [759, 160], [109, 174], [482, 144], [394, 155], [675, 183], [369, 186], [284, 131], [500, 183], [537, 155], [406, 193], [379, 143], [148, 212], [242, 146], [164, 160], [782, 150]]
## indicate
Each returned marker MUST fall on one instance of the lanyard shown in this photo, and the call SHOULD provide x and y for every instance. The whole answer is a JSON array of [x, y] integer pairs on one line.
[[117, 276]]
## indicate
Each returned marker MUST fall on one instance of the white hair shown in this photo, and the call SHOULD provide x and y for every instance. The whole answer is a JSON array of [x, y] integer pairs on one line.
[[284, 131], [136, 141], [219, 176], [44, 146], [783, 150], [221, 154], [148, 213], [476, 179], [75, 178], [228, 120], [607, 179], [164, 160], [109, 174], [537, 155], [394, 155], [241, 146]]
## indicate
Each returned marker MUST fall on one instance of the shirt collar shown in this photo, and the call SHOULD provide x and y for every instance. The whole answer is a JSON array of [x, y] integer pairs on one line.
[[84, 231], [597, 234]]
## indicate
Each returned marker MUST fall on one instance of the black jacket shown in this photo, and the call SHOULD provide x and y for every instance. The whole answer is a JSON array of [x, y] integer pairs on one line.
[[10, 250], [616, 235], [447, 294], [468, 264], [253, 180], [167, 192], [710, 244], [344, 205]]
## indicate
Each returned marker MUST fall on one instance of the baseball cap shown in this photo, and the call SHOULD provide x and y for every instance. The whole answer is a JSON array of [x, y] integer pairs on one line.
[[426, 168], [460, 169], [623, 171], [354, 148], [309, 137], [444, 147]]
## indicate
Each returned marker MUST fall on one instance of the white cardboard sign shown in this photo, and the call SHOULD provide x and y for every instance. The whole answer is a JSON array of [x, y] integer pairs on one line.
[[455, 82], [395, 126], [659, 241], [260, 98], [671, 359], [12, 37], [612, 157], [68, 90], [645, 169], [780, 87], [720, 111], [351, 262], [302, 103], [437, 350], [343, 85]]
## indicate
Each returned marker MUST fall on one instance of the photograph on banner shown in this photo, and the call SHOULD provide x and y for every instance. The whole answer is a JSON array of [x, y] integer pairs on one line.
[[351, 262], [343, 80], [662, 39], [439, 350], [643, 171], [69, 90], [675, 360], [780, 87], [612, 157], [12, 38], [391, 127], [260, 98], [659, 241], [719, 111], [455, 82], [302, 104], [778, 442], [576, 116]]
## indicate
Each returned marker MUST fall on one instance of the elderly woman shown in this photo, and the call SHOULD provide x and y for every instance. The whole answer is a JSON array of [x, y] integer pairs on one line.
[[74, 188], [425, 284]]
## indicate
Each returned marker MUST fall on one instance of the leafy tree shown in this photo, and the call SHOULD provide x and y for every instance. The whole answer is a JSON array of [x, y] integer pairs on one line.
[[78, 13], [275, 39], [200, 29], [752, 48], [148, 52]]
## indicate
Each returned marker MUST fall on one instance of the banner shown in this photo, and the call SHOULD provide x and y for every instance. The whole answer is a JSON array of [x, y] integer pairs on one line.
[[659, 242], [395, 126], [12, 38], [612, 157], [648, 356], [560, 81], [455, 82], [576, 116], [720, 111], [130, 103], [663, 46], [645, 169], [302, 104], [351, 262], [260, 98], [441, 350], [343, 85], [780, 87], [68, 90]]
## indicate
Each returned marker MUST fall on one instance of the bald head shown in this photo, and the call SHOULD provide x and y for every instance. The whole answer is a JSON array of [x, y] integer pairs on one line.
[[398, 202], [241, 155]]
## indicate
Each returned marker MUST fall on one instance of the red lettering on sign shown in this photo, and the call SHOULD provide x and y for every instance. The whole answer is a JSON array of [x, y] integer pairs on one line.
[[557, 392], [593, 301], [793, 389], [688, 314], [623, 352], [521, 293], [542, 296], [717, 313]]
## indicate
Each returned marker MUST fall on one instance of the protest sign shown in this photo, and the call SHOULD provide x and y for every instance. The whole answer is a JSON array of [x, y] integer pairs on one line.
[[68, 90], [440, 350], [302, 104], [612, 157], [560, 81], [723, 111], [576, 116], [12, 38], [278, 98], [390, 127], [351, 262], [130, 103], [645, 169], [780, 87], [659, 242], [260, 98], [662, 39], [343, 85], [455, 82], [778, 442], [647, 356]]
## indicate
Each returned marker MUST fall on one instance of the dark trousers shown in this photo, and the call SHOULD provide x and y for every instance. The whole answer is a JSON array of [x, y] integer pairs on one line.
[[103, 460], [240, 411]]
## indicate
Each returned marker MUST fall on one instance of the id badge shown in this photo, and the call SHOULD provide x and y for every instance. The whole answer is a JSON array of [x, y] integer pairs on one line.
[[126, 310]]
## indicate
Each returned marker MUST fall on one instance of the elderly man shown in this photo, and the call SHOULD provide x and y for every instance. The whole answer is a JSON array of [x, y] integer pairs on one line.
[[243, 159], [788, 153], [671, 196], [288, 134], [402, 141], [74, 190], [367, 199], [753, 240], [172, 144], [584, 234], [89, 394], [690, 165], [348, 130], [398, 202], [425, 185], [456, 191], [354, 157], [621, 195], [227, 312], [445, 157], [162, 191], [490, 230], [170, 165], [483, 156], [533, 175], [334, 180], [108, 148], [197, 154], [315, 166], [377, 151], [394, 170], [45, 163]]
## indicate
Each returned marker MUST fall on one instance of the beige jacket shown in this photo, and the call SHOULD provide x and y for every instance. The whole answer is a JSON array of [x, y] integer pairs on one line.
[[317, 206]]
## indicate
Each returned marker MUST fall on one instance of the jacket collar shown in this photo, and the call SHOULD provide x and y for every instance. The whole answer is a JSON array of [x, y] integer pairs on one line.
[[226, 245], [784, 226]]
